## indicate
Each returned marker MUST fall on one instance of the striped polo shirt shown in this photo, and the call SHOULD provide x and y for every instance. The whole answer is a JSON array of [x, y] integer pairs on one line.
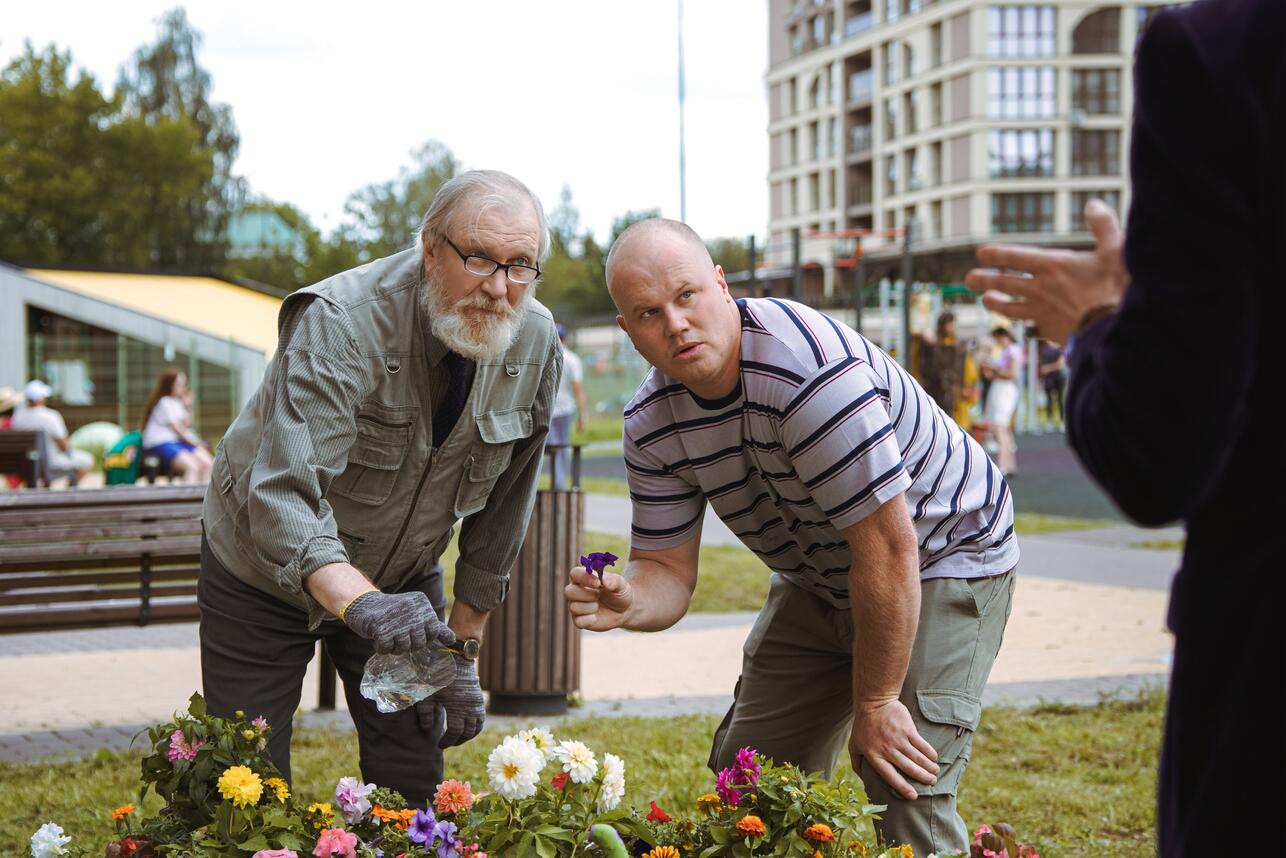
[[821, 430]]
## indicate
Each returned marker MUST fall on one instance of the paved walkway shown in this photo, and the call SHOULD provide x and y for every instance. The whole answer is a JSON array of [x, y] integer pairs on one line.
[[1087, 620]]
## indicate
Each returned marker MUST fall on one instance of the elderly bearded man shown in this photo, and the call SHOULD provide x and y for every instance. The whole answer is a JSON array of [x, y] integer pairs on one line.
[[406, 394], [875, 512]]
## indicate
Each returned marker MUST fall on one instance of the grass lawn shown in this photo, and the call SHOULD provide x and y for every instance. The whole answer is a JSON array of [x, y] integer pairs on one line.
[[1073, 781], [1161, 544]]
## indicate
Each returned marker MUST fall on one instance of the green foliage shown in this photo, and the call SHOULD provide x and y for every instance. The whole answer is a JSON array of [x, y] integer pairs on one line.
[[732, 253], [385, 215]]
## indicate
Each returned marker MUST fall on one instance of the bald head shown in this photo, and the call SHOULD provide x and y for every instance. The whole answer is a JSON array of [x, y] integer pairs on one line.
[[651, 243]]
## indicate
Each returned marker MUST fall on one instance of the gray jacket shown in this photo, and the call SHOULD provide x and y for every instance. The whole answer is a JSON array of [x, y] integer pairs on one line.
[[333, 459]]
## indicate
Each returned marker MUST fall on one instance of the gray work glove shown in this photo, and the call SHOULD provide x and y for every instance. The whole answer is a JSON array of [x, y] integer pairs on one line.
[[397, 622], [460, 703]]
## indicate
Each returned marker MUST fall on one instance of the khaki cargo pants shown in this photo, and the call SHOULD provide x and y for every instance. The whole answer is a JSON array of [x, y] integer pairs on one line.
[[794, 698]]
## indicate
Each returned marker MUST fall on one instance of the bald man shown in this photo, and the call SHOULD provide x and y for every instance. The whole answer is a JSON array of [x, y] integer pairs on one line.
[[874, 512]]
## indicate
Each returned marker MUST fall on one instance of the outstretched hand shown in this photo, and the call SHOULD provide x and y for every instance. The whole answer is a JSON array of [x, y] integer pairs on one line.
[[886, 738], [1056, 287], [597, 605]]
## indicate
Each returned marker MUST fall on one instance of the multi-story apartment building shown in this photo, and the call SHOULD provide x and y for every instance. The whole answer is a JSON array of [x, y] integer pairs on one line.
[[971, 119]]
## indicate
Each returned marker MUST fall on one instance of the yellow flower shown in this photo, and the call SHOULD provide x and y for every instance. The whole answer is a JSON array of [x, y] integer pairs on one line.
[[324, 813], [250, 735], [907, 851], [123, 811], [857, 846], [662, 852], [240, 786], [710, 802], [278, 786], [751, 826]]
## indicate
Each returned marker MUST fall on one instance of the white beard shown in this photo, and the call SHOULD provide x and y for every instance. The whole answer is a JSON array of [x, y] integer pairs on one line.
[[477, 327]]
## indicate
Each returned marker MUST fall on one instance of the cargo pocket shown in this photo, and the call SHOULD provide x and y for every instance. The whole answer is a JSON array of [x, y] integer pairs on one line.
[[374, 459], [949, 719], [499, 430]]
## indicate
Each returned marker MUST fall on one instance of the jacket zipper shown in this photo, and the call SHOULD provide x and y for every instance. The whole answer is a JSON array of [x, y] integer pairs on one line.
[[406, 522]]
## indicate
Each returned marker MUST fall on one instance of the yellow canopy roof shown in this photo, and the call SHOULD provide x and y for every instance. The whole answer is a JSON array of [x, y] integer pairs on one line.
[[214, 307]]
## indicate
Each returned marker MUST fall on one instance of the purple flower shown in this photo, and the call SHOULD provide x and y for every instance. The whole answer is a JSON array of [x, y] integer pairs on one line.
[[422, 827], [597, 561], [445, 830], [748, 766], [723, 785]]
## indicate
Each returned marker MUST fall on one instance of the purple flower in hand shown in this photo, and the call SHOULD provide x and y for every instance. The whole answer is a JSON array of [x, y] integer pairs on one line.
[[422, 827], [597, 561]]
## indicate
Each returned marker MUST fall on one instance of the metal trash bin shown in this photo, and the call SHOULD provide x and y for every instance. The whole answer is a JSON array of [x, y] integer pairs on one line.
[[530, 661]]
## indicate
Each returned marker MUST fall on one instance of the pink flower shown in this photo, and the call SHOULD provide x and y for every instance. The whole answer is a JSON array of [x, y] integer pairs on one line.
[[180, 749], [276, 853], [453, 797], [336, 841], [725, 785]]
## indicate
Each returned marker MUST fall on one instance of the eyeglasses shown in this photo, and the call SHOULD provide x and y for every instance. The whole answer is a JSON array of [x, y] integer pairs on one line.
[[483, 266]]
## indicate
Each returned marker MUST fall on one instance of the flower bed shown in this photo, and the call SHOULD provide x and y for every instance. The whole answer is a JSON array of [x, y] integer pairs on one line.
[[546, 798]]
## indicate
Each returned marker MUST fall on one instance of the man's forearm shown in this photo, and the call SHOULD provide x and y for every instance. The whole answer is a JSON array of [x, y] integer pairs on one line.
[[884, 592], [661, 596], [336, 584], [467, 621]]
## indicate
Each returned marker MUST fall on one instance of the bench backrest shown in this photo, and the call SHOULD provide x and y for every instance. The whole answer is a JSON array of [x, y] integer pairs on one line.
[[85, 558]]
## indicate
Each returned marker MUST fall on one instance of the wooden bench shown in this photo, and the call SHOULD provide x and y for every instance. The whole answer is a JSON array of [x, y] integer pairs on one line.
[[20, 454], [95, 558]]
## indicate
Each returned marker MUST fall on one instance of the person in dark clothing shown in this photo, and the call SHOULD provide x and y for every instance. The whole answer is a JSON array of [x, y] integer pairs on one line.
[[942, 364], [1198, 289], [1052, 368]]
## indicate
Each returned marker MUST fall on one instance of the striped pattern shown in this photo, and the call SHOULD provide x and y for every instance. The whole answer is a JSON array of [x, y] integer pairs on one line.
[[822, 430]]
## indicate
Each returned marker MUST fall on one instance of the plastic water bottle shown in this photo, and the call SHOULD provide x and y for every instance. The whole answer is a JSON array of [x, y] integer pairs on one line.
[[397, 682]]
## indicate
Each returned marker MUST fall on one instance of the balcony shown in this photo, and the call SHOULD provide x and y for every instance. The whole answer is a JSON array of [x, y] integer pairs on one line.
[[861, 86], [859, 195], [859, 24]]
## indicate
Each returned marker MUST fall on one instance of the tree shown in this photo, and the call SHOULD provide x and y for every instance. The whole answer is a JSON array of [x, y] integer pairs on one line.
[[385, 215], [83, 185], [163, 83], [564, 224], [732, 253]]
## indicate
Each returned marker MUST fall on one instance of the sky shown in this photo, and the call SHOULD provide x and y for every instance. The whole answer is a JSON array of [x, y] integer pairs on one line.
[[329, 97]]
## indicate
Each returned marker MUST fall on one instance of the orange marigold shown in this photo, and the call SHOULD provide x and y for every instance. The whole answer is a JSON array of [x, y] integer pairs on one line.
[[709, 801], [907, 851], [819, 833], [751, 826], [662, 852], [405, 818], [385, 815], [123, 811]]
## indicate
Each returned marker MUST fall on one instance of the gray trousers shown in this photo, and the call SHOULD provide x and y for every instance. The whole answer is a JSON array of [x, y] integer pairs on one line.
[[254, 652], [794, 699]]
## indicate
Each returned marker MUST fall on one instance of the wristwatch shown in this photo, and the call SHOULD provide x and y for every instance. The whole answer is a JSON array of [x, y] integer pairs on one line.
[[468, 648]]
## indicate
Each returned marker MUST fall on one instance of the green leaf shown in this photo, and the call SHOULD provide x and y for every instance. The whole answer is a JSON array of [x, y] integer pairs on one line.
[[196, 706]]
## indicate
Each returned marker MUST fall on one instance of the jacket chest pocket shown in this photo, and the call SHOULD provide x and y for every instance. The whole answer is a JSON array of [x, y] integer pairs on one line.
[[377, 454], [499, 431]]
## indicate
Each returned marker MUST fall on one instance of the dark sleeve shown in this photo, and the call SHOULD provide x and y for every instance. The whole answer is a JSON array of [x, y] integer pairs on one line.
[[1158, 391]]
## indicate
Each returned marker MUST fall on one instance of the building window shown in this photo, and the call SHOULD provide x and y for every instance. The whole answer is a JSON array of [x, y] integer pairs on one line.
[[792, 146], [1096, 91], [891, 8], [1014, 153], [890, 63], [891, 176], [1080, 198], [832, 137], [1022, 92], [1022, 213], [914, 178], [935, 45], [935, 163], [793, 201], [815, 137], [831, 200], [814, 192], [935, 105], [909, 68], [788, 97], [890, 118], [821, 30], [912, 104], [1098, 33], [861, 85], [1096, 153], [935, 219], [1020, 31]]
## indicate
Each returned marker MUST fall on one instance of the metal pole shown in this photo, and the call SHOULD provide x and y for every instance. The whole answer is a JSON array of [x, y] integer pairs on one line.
[[859, 298], [122, 380], [683, 167], [904, 356], [194, 382], [752, 283], [797, 265]]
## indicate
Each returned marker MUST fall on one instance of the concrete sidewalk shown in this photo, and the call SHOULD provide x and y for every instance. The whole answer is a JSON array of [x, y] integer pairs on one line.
[[1088, 619]]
